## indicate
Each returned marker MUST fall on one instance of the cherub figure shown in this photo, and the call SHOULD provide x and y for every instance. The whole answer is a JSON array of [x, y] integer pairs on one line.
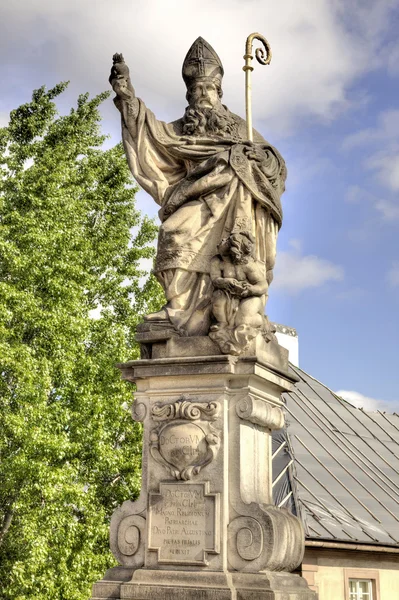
[[239, 296]]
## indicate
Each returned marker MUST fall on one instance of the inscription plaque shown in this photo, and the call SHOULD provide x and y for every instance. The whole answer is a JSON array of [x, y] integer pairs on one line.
[[183, 523]]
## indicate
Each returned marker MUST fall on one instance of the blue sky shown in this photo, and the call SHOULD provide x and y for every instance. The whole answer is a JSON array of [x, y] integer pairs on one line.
[[328, 101]]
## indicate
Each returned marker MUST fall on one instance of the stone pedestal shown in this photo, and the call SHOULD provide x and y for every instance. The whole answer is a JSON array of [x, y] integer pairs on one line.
[[204, 526]]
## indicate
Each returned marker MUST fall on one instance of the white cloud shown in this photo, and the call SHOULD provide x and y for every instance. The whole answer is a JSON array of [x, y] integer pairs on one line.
[[385, 165], [295, 273], [319, 48], [369, 404], [95, 313], [296, 245], [389, 210], [28, 163], [355, 194], [387, 129], [393, 275]]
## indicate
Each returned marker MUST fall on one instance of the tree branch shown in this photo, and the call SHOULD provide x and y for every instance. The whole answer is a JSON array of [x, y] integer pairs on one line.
[[6, 524]]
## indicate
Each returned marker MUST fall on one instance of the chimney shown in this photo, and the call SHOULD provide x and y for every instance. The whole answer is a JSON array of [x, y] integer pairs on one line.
[[288, 338]]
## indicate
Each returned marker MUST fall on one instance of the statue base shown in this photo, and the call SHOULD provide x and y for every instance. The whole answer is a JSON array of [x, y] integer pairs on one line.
[[159, 339], [189, 585], [205, 526]]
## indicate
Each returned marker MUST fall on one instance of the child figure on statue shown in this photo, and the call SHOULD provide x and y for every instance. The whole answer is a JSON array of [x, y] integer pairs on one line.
[[239, 295]]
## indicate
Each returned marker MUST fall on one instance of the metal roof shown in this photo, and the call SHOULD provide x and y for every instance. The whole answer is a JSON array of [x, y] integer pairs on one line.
[[337, 466]]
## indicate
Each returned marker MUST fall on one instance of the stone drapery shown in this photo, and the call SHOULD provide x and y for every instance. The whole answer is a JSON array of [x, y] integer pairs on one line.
[[206, 187]]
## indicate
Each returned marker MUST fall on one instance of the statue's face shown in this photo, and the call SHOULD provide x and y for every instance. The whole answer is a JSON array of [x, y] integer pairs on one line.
[[204, 94], [224, 247]]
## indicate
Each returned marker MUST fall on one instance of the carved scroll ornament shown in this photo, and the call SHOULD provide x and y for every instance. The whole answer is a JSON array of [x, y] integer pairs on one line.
[[260, 412], [127, 537], [272, 539], [184, 409]]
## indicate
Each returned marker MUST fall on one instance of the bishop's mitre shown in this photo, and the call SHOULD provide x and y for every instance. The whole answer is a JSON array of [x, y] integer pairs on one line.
[[202, 63]]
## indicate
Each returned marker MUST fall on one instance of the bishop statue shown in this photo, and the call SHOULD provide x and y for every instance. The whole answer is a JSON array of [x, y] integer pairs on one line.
[[209, 380], [219, 197]]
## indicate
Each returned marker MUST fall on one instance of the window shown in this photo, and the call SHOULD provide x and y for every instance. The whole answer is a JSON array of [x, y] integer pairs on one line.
[[360, 589], [362, 584]]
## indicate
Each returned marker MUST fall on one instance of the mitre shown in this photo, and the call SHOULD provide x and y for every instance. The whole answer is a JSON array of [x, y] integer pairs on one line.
[[202, 63]]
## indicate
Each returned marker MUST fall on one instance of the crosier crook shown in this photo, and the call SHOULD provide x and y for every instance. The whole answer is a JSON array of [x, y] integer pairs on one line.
[[264, 57]]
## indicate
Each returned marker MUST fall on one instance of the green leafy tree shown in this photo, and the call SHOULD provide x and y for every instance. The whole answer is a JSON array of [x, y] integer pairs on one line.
[[69, 450]]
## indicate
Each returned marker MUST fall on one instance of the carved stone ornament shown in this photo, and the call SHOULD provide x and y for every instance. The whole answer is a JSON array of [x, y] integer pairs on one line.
[[139, 411], [249, 537], [272, 540], [131, 534], [259, 412], [127, 539], [240, 289], [185, 409], [184, 448]]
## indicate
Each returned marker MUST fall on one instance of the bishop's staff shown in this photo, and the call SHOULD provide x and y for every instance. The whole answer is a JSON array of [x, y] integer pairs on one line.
[[263, 56]]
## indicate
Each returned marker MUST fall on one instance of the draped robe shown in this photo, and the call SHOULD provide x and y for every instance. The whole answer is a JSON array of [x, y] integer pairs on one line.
[[206, 187]]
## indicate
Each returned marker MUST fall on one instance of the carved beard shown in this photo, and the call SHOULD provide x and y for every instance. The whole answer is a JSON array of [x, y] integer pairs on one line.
[[212, 121]]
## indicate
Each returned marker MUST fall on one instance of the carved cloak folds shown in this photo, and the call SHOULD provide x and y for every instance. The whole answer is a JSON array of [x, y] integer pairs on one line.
[[207, 187]]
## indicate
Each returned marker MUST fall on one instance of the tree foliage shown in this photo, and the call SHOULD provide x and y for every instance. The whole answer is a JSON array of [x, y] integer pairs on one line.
[[69, 451]]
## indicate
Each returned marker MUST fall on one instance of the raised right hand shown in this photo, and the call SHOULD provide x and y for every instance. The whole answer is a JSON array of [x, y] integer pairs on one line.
[[120, 78]]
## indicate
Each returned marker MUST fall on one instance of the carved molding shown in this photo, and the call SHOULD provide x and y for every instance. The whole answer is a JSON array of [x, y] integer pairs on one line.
[[185, 409], [130, 534], [260, 412]]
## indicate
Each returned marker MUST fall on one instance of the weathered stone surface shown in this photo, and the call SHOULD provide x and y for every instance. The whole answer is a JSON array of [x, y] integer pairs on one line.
[[184, 448], [240, 288], [184, 523], [204, 526], [191, 346], [155, 331], [188, 585], [209, 365], [153, 335], [207, 515], [260, 413], [220, 206]]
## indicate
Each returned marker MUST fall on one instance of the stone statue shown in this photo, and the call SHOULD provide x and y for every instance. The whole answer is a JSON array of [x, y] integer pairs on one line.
[[238, 299], [207, 386], [212, 184]]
